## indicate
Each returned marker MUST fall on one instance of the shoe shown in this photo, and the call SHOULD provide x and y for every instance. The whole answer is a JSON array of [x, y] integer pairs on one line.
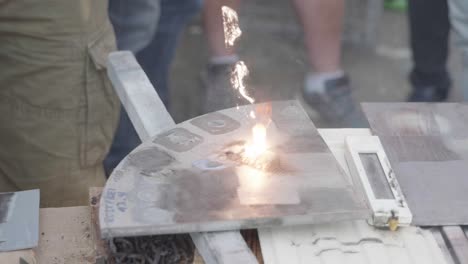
[[429, 87], [219, 93], [335, 105], [428, 94]]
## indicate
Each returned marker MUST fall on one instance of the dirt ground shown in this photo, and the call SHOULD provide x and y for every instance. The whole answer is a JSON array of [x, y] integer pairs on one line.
[[272, 47]]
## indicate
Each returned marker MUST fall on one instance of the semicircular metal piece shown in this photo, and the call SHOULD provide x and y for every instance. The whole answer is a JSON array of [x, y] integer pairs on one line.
[[191, 179]]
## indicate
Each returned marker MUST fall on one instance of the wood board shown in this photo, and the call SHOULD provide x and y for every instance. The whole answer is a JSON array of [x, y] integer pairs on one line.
[[66, 236]]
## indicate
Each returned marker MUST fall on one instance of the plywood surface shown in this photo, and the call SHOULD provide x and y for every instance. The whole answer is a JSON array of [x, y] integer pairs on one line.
[[66, 236], [184, 180], [25, 256]]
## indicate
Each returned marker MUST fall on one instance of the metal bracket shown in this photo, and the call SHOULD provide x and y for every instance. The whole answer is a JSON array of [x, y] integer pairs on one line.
[[369, 164]]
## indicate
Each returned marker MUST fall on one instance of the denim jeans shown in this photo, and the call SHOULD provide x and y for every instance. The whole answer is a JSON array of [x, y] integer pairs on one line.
[[151, 29], [429, 26]]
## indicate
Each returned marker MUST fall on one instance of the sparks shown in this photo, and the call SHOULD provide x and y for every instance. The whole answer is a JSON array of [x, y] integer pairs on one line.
[[237, 80], [232, 30], [256, 149]]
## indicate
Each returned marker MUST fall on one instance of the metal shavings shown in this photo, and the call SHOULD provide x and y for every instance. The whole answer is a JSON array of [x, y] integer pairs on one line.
[[235, 152], [152, 249]]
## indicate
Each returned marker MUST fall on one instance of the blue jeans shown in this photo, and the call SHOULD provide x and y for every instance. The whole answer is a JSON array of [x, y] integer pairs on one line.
[[430, 27], [133, 24]]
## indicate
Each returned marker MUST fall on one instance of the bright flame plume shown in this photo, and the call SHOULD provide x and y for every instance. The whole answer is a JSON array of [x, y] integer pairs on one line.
[[258, 145]]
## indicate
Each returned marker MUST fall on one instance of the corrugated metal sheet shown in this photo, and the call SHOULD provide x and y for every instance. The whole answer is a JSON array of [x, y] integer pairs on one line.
[[349, 242]]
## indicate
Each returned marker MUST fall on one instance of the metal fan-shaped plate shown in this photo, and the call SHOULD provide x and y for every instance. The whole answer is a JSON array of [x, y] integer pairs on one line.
[[189, 179]]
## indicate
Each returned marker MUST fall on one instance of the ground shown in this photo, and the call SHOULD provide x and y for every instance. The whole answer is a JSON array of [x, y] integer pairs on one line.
[[272, 47]]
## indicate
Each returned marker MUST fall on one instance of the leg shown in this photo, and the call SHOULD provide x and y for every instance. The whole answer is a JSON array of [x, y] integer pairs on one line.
[[134, 22], [58, 112], [459, 20], [323, 23], [135, 25], [429, 28], [216, 78], [125, 140], [213, 25], [327, 89], [157, 57]]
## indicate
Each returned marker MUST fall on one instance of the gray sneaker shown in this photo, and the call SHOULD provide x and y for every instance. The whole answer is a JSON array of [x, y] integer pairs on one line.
[[335, 105], [219, 93]]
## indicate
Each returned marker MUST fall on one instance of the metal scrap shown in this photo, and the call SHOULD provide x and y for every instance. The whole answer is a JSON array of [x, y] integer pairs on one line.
[[152, 249]]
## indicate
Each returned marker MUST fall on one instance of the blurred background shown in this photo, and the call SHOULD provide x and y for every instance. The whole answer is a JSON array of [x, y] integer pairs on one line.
[[376, 54]]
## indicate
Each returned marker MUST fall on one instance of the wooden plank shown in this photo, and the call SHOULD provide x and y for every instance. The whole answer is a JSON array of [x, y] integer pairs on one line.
[[437, 233], [100, 245], [223, 247], [457, 242], [143, 105], [150, 117]]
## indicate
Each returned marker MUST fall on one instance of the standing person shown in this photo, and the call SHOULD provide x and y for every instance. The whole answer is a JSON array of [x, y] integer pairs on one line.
[[151, 30], [326, 88], [430, 24], [58, 111], [429, 41]]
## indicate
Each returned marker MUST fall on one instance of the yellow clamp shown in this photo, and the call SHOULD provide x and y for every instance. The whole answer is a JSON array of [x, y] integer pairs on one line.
[[393, 223]]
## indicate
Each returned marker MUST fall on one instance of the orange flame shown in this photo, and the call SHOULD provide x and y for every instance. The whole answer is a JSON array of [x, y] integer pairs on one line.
[[258, 144]]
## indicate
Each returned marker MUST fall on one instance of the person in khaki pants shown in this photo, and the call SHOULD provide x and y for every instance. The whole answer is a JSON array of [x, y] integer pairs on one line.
[[58, 111]]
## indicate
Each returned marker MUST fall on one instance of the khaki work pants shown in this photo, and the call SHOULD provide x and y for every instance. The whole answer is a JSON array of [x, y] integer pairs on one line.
[[58, 111]]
